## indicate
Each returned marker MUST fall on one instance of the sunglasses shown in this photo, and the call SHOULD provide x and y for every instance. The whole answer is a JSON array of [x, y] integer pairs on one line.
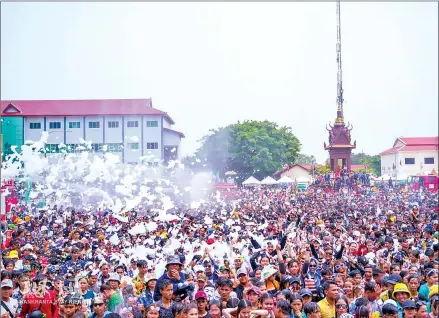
[[312, 265], [295, 287], [98, 304], [336, 267], [341, 306]]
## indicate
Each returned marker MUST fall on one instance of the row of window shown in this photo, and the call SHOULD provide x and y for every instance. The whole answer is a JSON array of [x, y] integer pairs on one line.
[[111, 147], [149, 145], [95, 124], [412, 161]]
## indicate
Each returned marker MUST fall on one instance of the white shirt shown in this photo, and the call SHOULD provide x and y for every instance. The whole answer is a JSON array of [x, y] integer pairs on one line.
[[12, 304]]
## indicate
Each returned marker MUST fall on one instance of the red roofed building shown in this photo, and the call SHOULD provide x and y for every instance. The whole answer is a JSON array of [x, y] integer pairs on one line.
[[297, 171], [130, 128], [410, 156]]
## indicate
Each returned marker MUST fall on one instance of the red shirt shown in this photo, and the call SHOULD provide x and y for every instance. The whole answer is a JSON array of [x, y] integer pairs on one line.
[[31, 302]]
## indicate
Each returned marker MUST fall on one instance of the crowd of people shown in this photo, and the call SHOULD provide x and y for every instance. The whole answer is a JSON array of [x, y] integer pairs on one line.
[[275, 252]]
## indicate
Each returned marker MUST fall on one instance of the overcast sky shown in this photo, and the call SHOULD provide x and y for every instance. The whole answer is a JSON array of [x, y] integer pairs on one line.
[[211, 64]]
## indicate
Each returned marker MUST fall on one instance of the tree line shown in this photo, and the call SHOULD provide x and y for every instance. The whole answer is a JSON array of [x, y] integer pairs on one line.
[[259, 149]]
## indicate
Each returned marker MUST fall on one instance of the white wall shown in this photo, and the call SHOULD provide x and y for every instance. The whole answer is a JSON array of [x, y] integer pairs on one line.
[[403, 171], [56, 136], [113, 135], [166, 123], [152, 134], [74, 134], [387, 162], [172, 139], [408, 170], [94, 134], [144, 134], [132, 155], [33, 134], [297, 172]]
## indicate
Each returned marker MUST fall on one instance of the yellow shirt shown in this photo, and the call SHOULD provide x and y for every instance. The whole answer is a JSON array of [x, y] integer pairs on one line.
[[326, 309]]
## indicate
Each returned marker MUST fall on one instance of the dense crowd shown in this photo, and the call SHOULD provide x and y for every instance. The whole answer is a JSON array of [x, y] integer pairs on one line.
[[360, 251]]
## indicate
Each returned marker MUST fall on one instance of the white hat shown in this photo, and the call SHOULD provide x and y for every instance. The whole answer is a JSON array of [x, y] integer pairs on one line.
[[27, 247], [7, 283], [114, 276], [267, 272], [390, 301], [198, 268], [43, 228]]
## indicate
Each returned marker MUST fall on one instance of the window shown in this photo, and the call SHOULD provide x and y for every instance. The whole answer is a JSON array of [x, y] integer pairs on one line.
[[134, 145], [429, 161], [96, 147], [409, 161], [114, 147], [113, 124], [52, 148], [72, 148], [152, 145], [74, 124], [35, 126], [94, 124], [55, 125], [132, 123], [152, 123]]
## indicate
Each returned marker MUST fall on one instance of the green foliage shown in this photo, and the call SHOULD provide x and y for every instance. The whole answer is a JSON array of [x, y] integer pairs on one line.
[[305, 159], [257, 148], [373, 163], [323, 169]]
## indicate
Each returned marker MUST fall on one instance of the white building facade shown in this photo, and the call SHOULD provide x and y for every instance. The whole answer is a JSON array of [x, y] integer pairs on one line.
[[410, 156], [134, 130]]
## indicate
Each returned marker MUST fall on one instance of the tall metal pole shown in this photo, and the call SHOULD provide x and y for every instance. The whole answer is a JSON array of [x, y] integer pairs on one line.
[[339, 69]]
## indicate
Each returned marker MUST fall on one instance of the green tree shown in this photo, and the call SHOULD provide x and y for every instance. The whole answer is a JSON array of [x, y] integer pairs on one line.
[[214, 152], [305, 159], [323, 169], [257, 148], [373, 163]]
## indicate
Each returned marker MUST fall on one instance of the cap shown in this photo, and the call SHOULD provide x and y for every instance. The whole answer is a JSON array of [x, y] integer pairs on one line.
[[393, 279], [198, 268], [241, 271], [295, 280], [27, 247], [7, 283], [13, 254], [305, 292], [389, 308], [202, 277], [254, 289], [115, 277], [200, 294], [408, 304]]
